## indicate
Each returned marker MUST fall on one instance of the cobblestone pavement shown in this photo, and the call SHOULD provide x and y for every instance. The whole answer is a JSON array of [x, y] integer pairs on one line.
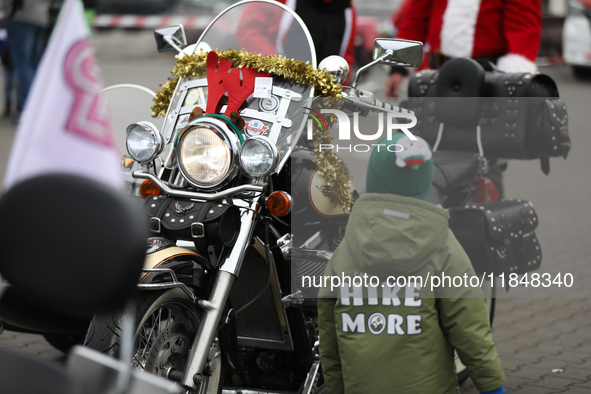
[[544, 343]]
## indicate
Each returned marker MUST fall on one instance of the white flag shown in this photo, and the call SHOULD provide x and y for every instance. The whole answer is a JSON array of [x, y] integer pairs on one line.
[[65, 126]]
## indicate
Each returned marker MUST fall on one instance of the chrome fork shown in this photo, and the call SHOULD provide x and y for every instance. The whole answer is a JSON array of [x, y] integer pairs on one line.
[[230, 263]]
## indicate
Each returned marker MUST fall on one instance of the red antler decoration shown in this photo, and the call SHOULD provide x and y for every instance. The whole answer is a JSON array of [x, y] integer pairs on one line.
[[222, 81]]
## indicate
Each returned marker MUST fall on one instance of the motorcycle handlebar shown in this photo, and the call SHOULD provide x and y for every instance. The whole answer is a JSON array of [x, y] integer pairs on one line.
[[202, 196]]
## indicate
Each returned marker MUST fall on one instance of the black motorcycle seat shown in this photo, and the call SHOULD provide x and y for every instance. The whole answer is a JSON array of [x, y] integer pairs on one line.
[[89, 244], [453, 168], [460, 81]]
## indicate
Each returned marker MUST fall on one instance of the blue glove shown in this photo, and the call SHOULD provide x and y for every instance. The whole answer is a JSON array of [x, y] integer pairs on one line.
[[500, 390]]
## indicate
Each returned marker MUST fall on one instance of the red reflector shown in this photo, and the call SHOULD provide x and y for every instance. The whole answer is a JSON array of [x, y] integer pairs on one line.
[[486, 191]]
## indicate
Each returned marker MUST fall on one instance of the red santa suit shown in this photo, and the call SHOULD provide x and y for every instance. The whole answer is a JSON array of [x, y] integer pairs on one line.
[[331, 24], [509, 30]]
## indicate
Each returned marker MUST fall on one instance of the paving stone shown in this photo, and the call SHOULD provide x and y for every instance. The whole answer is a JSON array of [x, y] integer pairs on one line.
[[34, 345], [570, 341], [527, 389], [573, 373], [505, 348], [552, 347], [584, 347], [530, 354], [571, 357], [520, 341], [553, 382], [528, 372], [514, 382], [584, 365], [577, 390], [550, 363], [510, 363], [586, 384]]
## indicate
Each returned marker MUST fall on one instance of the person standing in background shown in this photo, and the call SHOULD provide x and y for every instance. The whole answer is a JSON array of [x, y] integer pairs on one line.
[[27, 33], [10, 81], [331, 24], [504, 32]]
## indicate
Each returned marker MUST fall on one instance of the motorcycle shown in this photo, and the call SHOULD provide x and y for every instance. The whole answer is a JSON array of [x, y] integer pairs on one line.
[[224, 181], [221, 313]]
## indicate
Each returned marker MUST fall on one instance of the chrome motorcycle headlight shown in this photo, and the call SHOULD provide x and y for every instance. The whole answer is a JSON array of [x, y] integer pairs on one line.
[[144, 142], [258, 157], [205, 153]]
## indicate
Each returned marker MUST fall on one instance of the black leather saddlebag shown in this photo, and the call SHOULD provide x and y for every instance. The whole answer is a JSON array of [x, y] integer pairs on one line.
[[519, 115], [180, 219], [498, 237]]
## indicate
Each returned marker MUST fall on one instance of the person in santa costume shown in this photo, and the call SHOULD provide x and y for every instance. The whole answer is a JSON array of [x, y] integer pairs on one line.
[[504, 32], [332, 25]]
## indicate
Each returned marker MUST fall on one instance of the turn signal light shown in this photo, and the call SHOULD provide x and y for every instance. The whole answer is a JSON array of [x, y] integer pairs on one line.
[[149, 188], [279, 203]]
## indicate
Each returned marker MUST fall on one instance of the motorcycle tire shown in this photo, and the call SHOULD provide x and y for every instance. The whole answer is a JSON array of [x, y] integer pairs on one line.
[[167, 322]]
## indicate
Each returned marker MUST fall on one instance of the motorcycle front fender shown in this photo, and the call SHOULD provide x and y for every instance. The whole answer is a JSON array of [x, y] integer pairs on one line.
[[177, 267]]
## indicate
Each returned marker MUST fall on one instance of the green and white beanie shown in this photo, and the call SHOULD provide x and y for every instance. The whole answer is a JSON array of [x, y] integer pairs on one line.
[[400, 166]]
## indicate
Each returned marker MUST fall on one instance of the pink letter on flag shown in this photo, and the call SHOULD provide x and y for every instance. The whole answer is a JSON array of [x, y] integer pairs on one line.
[[65, 126]]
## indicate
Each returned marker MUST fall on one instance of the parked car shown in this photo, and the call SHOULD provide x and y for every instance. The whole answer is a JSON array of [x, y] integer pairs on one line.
[[576, 37]]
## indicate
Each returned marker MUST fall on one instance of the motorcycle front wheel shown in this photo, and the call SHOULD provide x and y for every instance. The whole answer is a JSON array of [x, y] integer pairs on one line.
[[167, 322]]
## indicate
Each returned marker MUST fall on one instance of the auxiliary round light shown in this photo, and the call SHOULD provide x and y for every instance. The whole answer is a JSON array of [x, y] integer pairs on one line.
[[258, 156], [144, 142], [204, 157]]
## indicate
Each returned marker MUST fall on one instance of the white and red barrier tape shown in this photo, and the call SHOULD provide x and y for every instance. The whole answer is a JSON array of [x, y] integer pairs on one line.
[[550, 60], [150, 21], [201, 22]]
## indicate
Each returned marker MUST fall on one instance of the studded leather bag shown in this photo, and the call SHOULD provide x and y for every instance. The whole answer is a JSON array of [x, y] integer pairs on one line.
[[501, 115], [498, 237], [215, 222]]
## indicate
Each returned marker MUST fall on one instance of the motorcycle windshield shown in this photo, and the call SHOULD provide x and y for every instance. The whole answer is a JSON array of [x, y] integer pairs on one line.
[[263, 27], [255, 30], [136, 101]]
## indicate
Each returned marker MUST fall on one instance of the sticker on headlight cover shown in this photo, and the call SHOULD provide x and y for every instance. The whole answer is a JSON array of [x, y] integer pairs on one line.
[[263, 87], [255, 127], [269, 104], [192, 97]]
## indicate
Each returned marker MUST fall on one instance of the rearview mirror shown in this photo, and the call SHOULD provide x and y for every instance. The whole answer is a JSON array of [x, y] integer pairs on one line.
[[170, 38], [397, 51]]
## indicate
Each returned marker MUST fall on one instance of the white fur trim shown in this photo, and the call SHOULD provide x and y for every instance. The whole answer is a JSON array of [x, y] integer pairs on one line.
[[457, 30], [514, 63]]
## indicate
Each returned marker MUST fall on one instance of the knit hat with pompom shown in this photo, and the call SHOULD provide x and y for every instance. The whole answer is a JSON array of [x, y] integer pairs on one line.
[[400, 166]]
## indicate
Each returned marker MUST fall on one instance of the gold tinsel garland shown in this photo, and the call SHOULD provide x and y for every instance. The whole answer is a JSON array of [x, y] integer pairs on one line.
[[330, 165]]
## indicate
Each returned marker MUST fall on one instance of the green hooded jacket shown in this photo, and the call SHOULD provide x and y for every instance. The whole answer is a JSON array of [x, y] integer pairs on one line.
[[388, 339]]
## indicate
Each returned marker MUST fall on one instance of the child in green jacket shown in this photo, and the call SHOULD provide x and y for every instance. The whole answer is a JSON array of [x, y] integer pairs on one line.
[[395, 333]]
